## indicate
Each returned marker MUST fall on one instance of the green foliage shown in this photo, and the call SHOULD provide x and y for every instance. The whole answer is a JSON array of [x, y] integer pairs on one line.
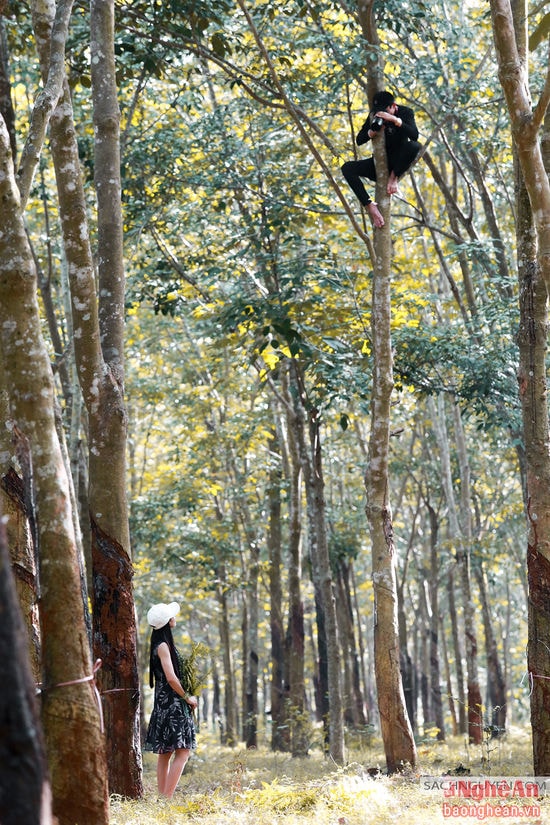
[[483, 377]]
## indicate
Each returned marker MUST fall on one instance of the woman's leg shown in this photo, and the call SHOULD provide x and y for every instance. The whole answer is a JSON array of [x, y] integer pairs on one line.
[[175, 771], [163, 766]]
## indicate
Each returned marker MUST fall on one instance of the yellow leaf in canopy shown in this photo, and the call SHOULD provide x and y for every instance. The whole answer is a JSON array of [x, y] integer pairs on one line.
[[365, 349], [271, 358]]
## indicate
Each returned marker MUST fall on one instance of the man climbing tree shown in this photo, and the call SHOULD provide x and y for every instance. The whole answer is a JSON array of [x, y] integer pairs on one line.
[[398, 126]]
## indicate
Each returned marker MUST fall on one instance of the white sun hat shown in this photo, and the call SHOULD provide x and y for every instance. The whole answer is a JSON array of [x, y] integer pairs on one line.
[[160, 614]]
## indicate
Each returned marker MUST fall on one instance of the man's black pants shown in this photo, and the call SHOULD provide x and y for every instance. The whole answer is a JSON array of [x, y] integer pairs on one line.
[[398, 163]]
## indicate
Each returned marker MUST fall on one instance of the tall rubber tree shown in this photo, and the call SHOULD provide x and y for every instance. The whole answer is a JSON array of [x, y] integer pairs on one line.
[[397, 735], [100, 360], [98, 324], [509, 21], [69, 703]]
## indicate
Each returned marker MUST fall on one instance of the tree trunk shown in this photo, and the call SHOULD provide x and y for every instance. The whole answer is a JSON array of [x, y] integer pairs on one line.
[[450, 697], [496, 685], [311, 463], [322, 570], [533, 256], [435, 674], [13, 507], [355, 701], [277, 690], [251, 689], [70, 712], [367, 684], [397, 734], [229, 733], [462, 538], [458, 653], [295, 637], [25, 793], [114, 622]]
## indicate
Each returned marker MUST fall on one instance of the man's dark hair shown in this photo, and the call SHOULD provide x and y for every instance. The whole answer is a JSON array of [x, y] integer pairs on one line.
[[382, 100]]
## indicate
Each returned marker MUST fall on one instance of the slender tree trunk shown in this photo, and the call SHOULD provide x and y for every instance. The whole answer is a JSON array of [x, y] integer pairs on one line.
[[295, 638], [448, 680], [458, 653], [435, 675], [348, 705], [311, 462], [367, 690], [496, 685], [229, 734], [355, 701], [397, 734], [321, 564], [276, 597], [114, 621], [251, 690], [462, 541], [424, 656], [321, 675], [406, 663]]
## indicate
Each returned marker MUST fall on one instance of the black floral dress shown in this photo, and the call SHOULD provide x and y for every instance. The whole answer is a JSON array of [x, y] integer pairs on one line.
[[171, 724]]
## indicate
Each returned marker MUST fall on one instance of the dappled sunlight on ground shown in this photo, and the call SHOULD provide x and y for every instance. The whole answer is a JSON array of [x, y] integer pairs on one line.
[[223, 785]]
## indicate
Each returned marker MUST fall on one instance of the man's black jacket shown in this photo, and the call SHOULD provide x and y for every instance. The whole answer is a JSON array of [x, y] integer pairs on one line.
[[395, 136]]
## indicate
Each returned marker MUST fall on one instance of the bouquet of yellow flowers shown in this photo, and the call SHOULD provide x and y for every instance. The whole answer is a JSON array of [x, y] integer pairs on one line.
[[193, 679]]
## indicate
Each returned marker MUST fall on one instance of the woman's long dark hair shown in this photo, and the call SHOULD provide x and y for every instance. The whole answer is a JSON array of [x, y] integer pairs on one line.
[[164, 634]]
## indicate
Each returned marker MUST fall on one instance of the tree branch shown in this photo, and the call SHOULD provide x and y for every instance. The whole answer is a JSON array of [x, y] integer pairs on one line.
[[46, 100]]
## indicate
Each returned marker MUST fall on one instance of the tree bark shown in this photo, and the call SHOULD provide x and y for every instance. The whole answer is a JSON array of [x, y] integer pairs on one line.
[[25, 792], [251, 687], [435, 673], [533, 256], [295, 636], [355, 705], [277, 687], [70, 712], [496, 685], [315, 494], [458, 651], [462, 538], [229, 733], [102, 380]]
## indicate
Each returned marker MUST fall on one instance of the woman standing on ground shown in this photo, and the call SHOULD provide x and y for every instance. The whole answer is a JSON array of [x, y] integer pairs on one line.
[[171, 730]]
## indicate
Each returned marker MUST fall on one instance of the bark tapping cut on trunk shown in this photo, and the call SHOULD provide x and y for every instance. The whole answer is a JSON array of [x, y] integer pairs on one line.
[[113, 614], [539, 633], [23, 559]]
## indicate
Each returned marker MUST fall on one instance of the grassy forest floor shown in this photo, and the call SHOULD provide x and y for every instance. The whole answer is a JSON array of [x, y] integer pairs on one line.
[[223, 786]]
